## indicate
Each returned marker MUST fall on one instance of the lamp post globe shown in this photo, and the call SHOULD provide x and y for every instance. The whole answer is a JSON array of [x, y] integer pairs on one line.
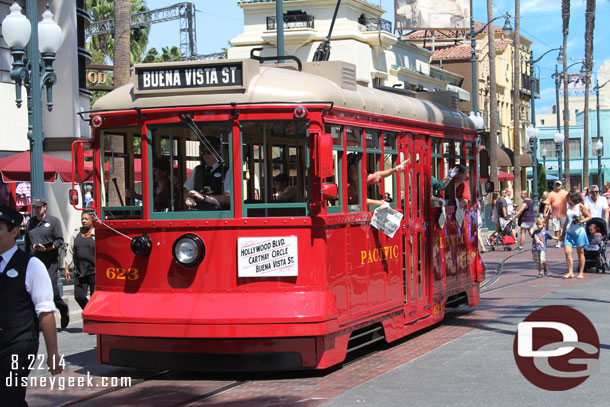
[[508, 28], [532, 132], [34, 72], [16, 28], [599, 146], [560, 56], [558, 137], [544, 154], [49, 34]]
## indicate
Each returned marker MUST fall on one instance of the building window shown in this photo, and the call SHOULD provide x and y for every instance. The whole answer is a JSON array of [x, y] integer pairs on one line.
[[575, 148], [547, 149]]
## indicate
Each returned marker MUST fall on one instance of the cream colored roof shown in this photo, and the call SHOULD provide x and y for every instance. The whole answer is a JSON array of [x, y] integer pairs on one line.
[[281, 85]]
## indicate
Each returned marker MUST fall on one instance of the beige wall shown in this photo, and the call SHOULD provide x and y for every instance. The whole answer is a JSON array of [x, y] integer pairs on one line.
[[376, 54]]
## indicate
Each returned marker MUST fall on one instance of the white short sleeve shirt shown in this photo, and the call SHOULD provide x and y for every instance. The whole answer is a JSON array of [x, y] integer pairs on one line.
[[37, 282], [596, 208]]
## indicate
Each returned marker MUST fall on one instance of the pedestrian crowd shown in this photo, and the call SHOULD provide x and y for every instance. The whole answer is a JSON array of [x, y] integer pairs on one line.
[[563, 213]]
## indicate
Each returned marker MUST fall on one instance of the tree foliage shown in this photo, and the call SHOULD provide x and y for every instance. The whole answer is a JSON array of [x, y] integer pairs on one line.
[[168, 54], [541, 180], [101, 47]]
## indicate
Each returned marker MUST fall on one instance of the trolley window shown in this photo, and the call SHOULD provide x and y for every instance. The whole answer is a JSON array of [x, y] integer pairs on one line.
[[121, 179], [437, 189], [353, 138], [275, 168], [374, 162], [390, 155], [455, 152], [335, 205], [191, 170]]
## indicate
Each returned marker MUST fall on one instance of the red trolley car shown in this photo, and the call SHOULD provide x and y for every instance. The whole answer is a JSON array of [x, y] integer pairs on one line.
[[279, 267]]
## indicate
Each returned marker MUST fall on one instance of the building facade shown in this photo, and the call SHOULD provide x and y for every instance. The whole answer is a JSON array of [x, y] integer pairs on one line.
[[452, 51], [62, 125], [547, 150], [360, 36]]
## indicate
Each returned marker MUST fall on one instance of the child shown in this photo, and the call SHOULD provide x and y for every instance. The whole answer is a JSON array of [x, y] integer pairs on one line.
[[595, 238], [539, 238]]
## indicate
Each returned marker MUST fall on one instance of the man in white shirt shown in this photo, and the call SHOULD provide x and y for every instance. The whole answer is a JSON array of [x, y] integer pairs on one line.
[[597, 205], [26, 302]]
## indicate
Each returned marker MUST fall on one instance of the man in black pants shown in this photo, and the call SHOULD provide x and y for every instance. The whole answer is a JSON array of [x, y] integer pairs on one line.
[[26, 301], [43, 238]]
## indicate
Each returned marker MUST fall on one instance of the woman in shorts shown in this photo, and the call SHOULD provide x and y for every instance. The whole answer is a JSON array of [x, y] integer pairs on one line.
[[575, 234]]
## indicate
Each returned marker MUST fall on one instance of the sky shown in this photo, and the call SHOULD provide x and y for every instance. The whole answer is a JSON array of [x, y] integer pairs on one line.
[[220, 21]]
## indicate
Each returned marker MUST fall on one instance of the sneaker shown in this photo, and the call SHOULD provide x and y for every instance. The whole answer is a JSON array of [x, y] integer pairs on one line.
[[546, 272], [540, 275], [558, 245]]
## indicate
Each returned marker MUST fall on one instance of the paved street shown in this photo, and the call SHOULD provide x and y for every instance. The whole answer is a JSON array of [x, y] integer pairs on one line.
[[466, 360], [478, 368]]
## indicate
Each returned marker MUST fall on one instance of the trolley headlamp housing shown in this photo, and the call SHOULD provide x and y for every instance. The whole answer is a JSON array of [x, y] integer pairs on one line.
[[188, 250]]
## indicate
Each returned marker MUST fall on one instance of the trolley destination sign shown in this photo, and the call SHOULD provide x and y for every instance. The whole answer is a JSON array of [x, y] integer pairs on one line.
[[267, 256], [155, 77]]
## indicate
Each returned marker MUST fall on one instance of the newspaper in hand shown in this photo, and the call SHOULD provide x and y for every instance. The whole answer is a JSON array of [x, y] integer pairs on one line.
[[386, 220], [442, 218], [460, 214]]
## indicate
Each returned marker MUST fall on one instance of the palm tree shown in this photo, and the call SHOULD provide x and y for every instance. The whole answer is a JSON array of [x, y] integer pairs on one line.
[[493, 103], [565, 15], [589, 27], [101, 47], [168, 55], [516, 102], [122, 42]]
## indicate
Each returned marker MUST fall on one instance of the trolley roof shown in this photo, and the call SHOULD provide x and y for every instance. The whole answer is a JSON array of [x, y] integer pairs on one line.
[[331, 81]]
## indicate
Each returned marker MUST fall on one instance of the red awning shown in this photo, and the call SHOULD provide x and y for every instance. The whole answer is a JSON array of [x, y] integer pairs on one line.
[[502, 176], [17, 168]]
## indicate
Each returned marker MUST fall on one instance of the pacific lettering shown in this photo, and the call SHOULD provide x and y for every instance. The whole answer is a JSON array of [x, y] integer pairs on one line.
[[378, 254]]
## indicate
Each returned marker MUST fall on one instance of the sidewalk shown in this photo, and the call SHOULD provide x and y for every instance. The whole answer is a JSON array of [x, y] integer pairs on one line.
[[478, 368]]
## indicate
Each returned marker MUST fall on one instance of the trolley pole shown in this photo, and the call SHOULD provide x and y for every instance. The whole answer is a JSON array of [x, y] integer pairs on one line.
[[279, 26]]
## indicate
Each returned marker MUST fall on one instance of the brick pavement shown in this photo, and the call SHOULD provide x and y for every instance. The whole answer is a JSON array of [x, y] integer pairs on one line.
[[516, 287]]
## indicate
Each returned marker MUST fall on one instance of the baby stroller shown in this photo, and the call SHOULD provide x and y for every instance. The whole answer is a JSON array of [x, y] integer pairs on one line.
[[503, 239], [595, 251]]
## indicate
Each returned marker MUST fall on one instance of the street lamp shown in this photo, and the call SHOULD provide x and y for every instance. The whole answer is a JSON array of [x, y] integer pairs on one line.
[[599, 136], [559, 138], [599, 148], [507, 29], [531, 63], [544, 153], [532, 135], [19, 31]]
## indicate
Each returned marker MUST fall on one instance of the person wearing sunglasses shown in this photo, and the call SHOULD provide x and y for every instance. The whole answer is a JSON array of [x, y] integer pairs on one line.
[[596, 204]]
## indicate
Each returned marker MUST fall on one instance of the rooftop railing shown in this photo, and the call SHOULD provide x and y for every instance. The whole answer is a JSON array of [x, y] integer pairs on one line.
[[375, 24], [292, 21]]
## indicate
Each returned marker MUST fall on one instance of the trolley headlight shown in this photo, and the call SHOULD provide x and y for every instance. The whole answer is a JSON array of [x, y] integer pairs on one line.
[[188, 250]]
